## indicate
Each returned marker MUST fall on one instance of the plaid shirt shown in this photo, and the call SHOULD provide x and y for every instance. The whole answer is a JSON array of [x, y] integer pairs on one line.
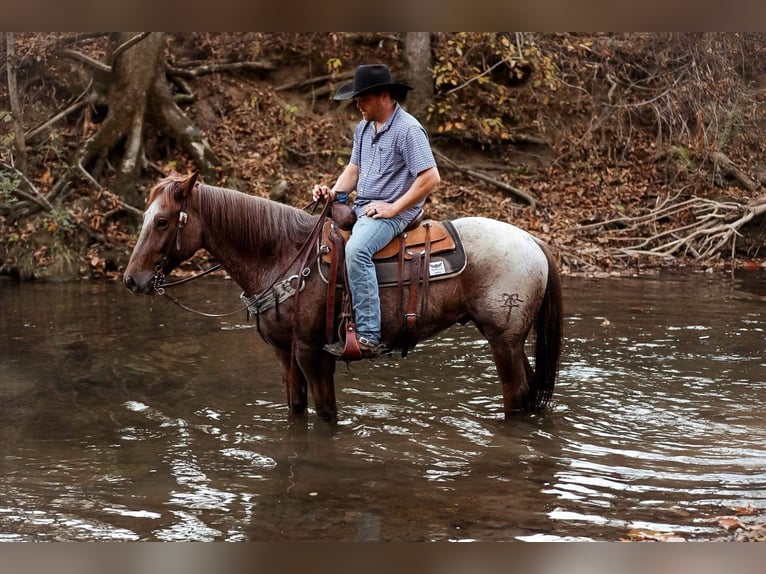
[[390, 160]]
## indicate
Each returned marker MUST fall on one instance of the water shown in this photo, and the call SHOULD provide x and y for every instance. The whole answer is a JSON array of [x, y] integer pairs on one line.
[[126, 418]]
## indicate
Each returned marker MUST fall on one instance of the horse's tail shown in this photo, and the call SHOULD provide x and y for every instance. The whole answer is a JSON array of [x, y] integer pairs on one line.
[[549, 334]]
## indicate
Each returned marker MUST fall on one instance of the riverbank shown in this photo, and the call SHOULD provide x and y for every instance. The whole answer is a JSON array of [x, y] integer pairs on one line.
[[652, 173]]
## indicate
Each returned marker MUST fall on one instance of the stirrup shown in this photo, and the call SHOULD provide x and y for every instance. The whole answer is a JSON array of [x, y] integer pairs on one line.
[[347, 350], [351, 350]]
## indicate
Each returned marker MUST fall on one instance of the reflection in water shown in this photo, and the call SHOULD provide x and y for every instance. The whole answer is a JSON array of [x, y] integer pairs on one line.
[[124, 418]]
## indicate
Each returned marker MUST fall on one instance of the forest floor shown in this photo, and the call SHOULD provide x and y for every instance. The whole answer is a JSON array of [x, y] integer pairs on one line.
[[614, 195]]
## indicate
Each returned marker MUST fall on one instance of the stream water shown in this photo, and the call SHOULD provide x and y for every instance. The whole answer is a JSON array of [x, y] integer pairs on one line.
[[125, 418]]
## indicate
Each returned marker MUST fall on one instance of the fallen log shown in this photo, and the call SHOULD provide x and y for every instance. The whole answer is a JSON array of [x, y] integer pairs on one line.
[[509, 189]]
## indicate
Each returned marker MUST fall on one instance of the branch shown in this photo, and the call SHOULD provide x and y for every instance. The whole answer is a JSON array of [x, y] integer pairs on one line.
[[79, 103], [127, 44], [518, 193], [88, 177], [35, 196], [39, 199], [714, 226], [314, 80], [221, 67], [484, 73], [92, 62], [74, 39]]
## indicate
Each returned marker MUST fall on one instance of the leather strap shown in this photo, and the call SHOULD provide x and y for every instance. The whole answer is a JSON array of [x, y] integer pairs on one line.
[[419, 272], [411, 315], [426, 271], [400, 276], [351, 350], [338, 252]]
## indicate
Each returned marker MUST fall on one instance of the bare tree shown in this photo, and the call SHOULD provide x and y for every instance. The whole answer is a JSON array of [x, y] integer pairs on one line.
[[138, 98], [16, 112], [417, 54]]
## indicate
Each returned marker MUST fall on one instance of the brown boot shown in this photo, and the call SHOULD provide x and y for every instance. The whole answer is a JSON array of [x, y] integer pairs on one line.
[[335, 349], [369, 349]]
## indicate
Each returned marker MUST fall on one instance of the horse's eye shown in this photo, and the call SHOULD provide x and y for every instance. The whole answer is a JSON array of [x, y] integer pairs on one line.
[[162, 223]]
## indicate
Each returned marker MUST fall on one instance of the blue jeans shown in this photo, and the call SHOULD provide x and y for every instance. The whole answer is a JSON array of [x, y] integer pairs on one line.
[[367, 238]]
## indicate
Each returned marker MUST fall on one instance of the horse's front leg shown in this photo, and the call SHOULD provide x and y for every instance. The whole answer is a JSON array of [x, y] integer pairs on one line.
[[295, 384], [318, 367]]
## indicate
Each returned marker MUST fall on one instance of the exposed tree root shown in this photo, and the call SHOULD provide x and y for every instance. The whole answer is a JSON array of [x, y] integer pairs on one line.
[[696, 227], [723, 163], [139, 98]]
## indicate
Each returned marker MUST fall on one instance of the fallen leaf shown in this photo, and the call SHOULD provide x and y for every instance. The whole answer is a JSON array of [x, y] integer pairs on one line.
[[730, 523], [748, 510], [652, 535]]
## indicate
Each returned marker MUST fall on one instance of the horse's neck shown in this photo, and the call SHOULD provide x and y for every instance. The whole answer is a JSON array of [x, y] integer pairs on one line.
[[255, 254]]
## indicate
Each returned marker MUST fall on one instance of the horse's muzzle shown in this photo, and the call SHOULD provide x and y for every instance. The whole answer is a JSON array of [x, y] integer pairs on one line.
[[139, 284]]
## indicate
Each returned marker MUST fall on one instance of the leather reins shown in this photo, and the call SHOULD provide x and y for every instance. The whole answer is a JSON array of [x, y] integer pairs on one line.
[[158, 281]]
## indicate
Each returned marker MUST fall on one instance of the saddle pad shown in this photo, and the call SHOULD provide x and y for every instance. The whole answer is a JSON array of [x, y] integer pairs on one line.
[[448, 261]]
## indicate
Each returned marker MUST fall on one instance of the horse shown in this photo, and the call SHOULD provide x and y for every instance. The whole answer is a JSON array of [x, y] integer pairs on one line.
[[510, 285]]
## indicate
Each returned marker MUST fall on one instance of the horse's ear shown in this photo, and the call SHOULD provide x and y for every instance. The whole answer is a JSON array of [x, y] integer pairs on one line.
[[184, 188], [192, 180]]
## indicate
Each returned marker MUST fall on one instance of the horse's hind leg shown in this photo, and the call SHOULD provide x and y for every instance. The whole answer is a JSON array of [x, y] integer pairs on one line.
[[513, 369], [528, 368]]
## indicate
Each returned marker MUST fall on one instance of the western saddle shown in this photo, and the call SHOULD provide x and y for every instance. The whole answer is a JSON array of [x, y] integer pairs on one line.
[[412, 249]]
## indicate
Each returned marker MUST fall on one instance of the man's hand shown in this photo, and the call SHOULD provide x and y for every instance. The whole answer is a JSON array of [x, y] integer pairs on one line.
[[322, 192], [380, 210]]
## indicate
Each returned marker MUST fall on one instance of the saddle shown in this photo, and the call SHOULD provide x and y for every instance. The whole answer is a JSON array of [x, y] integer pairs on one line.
[[427, 250], [411, 242]]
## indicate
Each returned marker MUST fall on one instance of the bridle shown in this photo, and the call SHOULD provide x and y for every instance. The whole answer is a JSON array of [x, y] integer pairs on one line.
[[272, 296], [158, 279], [158, 283]]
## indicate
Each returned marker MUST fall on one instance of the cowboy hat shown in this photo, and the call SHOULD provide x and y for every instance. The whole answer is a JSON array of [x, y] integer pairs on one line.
[[368, 78]]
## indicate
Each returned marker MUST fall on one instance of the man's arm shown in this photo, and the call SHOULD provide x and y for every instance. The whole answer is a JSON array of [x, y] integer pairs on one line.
[[345, 183], [424, 184]]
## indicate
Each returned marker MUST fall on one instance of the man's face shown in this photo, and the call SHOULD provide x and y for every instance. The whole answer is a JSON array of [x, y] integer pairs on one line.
[[370, 106]]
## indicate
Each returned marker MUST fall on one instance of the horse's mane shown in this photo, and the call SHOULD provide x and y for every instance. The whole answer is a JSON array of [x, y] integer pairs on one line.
[[254, 223]]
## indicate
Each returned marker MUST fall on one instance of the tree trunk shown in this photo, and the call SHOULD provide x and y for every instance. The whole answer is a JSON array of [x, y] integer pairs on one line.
[[139, 98], [16, 113], [133, 73], [417, 54], [164, 112]]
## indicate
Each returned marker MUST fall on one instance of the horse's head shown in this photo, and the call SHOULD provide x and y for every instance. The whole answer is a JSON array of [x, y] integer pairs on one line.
[[169, 234]]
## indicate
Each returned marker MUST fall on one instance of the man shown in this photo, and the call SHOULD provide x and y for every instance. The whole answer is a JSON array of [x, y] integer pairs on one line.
[[393, 170]]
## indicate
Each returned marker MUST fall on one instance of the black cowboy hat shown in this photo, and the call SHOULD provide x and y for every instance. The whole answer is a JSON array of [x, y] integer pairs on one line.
[[368, 78]]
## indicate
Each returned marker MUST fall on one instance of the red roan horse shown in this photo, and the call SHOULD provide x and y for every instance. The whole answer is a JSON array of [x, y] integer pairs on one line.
[[509, 285]]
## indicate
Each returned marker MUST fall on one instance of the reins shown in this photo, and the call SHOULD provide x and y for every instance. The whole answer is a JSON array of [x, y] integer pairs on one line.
[[160, 285], [215, 267]]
